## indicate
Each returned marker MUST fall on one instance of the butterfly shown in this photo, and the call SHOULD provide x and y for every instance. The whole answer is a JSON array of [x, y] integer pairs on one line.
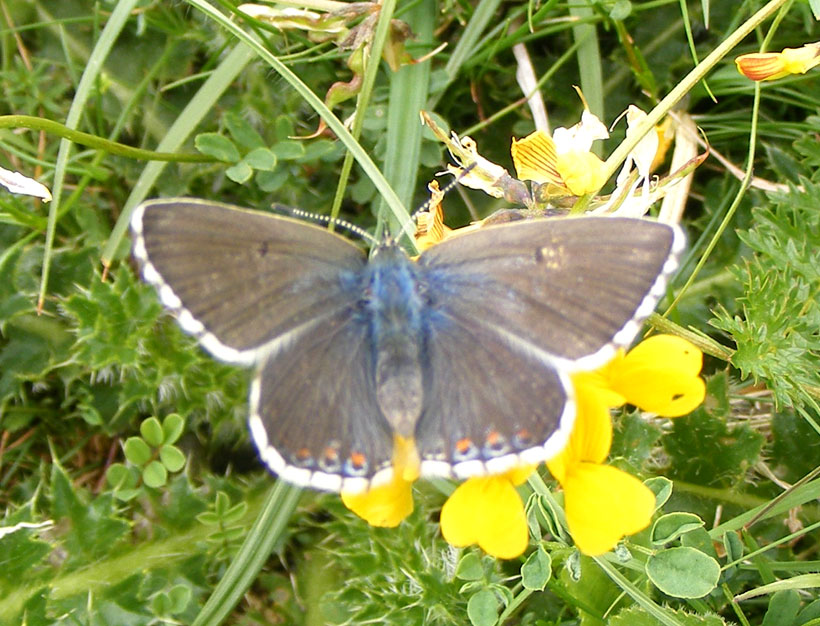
[[466, 351]]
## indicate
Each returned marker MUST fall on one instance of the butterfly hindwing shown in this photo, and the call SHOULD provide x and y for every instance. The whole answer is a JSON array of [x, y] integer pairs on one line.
[[490, 403], [314, 414]]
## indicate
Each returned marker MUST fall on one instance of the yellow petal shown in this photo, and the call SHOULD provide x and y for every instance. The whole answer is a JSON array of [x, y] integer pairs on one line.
[[761, 66], [582, 172], [384, 506], [591, 436], [486, 510], [663, 349], [661, 375], [535, 159], [430, 228], [773, 65], [801, 60], [519, 475], [604, 504]]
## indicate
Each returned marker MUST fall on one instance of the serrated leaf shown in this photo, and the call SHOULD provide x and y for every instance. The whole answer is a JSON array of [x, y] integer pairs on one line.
[[93, 529], [21, 551], [217, 146], [704, 450], [683, 572], [537, 570], [154, 475], [638, 616], [151, 431]]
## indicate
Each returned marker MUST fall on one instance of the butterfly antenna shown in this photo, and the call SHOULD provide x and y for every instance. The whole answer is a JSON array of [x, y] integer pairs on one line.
[[326, 219], [439, 194]]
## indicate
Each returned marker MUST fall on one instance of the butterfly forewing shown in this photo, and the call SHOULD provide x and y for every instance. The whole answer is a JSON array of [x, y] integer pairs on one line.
[[239, 280], [572, 288]]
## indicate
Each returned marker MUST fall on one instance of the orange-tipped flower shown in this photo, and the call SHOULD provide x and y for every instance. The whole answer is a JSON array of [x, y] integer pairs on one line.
[[773, 65]]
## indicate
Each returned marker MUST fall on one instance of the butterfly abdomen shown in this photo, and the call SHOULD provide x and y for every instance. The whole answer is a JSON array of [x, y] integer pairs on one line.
[[393, 307]]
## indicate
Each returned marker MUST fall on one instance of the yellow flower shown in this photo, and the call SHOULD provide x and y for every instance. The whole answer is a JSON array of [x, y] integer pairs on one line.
[[602, 503], [384, 506], [388, 504], [488, 511], [576, 171], [659, 375], [773, 65]]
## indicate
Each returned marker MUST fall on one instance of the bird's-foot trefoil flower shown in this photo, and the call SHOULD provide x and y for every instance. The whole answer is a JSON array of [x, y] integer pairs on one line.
[[602, 503], [759, 66]]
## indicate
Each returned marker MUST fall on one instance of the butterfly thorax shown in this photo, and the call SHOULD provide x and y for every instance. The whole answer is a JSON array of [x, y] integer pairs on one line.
[[393, 306]]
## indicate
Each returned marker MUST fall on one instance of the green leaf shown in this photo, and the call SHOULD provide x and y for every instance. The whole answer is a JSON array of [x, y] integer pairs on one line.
[[172, 458], [120, 476], [239, 173], [683, 572], [235, 513], [272, 181], [289, 150], [620, 10], [469, 567], [154, 475], [221, 503], [217, 146], [700, 539], [209, 518], [283, 127], [537, 570], [783, 608], [638, 616], [669, 527], [22, 551], [704, 450], [172, 427], [242, 132], [261, 159], [151, 431], [776, 329], [661, 486], [137, 451], [180, 596], [482, 608], [92, 529]]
